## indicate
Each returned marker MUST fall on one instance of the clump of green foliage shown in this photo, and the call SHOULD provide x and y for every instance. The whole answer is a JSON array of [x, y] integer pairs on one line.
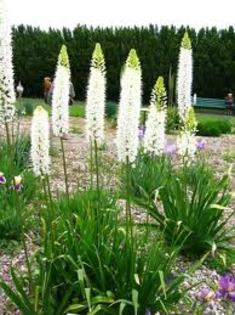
[[88, 264], [148, 175], [13, 204], [189, 208], [173, 120], [213, 127], [28, 108]]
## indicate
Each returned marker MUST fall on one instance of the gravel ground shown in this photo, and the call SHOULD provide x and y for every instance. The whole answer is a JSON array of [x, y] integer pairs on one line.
[[220, 152]]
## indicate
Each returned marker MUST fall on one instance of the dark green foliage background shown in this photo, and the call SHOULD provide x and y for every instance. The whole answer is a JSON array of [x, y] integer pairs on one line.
[[36, 51]]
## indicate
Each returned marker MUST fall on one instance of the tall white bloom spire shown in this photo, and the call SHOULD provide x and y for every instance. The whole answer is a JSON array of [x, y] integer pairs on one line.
[[187, 146], [95, 107], [185, 77], [129, 109], [154, 139], [186, 141], [7, 93], [60, 97], [40, 142]]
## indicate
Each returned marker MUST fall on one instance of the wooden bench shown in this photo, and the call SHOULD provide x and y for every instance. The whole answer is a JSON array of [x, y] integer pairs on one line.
[[214, 103]]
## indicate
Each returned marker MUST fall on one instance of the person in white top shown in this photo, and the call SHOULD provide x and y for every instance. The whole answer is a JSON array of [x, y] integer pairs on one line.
[[19, 90]]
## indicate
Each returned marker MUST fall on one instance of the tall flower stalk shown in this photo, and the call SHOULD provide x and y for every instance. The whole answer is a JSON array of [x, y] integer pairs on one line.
[[40, 145], [186, 140], [7, 92], [40, 161], [185, 77], [60, 104], [95, 112], [95, 107], [96, 93], [128, 122], [154, 140], [129, 109], [40, 142]]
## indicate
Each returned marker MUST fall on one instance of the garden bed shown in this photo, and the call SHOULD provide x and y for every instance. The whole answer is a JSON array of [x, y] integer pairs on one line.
[[219, 153]]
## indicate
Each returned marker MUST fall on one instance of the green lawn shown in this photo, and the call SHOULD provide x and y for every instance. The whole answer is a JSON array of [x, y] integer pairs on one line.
[[76, 110]]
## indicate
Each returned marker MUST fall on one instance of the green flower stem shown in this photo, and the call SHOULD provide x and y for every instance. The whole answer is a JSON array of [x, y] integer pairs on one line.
[[65, 169], [97, 166], [97, 187], [49, 193], [47, 213], [8, 134], [10, 151], [129, 222], [91, 164], [50, 208]]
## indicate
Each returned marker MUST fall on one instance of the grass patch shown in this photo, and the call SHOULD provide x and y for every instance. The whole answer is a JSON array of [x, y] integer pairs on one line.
[[27, 106], [77, 110]]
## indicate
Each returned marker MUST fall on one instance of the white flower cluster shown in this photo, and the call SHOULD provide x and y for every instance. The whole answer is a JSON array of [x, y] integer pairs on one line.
[[187, 145], [40, 142], [129, 109], [7, 92], [60, 97], [95, 107], [185, 77], [154, 140], [186, 141]]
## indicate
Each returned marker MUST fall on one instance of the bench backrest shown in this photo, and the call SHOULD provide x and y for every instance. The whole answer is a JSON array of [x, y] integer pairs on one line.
[[210, 103]]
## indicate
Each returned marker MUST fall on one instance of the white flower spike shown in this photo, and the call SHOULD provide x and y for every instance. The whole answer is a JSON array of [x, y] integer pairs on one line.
[[95, 107], [60, 97], [7, 92], [40, 142], [155, 138], [186, 141], [185, 77], [187, 145], [129, 109]]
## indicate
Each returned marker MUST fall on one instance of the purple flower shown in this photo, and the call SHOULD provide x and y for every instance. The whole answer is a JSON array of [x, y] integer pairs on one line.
[[2, 179], [171, 149], [16, 183], [206, 294], [227, 287], [147, 312], [18, 187], [201, 144]]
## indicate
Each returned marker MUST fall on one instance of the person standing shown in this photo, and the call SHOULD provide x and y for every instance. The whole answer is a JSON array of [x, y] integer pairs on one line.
[[19, 90], [229, 102], [46, 88], [71, 93]]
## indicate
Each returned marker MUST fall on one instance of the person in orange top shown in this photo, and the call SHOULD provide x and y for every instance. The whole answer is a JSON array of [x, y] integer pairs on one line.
[[46, 87]]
